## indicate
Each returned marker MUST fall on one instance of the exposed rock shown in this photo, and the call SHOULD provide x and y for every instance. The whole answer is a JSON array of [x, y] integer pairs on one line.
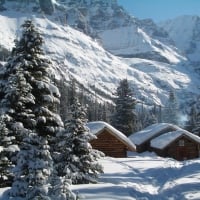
[[47, 6], [98, 17]]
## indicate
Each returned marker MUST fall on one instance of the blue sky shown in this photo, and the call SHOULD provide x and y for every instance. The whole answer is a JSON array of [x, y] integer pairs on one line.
[[160, 10]]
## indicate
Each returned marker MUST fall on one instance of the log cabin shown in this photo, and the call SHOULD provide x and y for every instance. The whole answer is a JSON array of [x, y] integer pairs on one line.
[[143, 138], [180, 145], [109, 140]]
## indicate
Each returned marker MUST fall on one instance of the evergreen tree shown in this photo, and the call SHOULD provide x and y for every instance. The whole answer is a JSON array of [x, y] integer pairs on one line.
[[63, 88], [104, 113], [30, 178], [68, 93], [15, 106], [81, 159], [146, 118], [72, 91], [18, 101], [192, 116], [33, 169], [193, 124], [124, 118], [5, 148], [31, 101], [61, 180], [170, 112]]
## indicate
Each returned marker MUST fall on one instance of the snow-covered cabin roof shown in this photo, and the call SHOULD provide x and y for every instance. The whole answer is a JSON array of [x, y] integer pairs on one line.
[[97, 127], [164, 140], [151, 131]]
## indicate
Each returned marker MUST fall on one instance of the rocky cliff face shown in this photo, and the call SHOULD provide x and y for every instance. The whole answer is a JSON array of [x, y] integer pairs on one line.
[[120, 33], [108, 22], [46, 6], [92, 16]]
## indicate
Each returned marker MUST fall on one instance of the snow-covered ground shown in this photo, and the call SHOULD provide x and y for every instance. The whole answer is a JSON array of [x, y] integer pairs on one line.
[[142, 177], [145, 177]]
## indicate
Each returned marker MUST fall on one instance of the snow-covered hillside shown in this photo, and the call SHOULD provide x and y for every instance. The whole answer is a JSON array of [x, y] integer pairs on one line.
[[185, 31], [78, 55], [109, 22], [132, 41]]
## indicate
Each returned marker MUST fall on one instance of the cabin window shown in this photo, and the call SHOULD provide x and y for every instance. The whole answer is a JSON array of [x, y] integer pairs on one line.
[[181, 143]]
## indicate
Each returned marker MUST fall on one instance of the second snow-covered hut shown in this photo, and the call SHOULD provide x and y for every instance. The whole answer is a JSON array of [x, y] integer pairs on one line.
[[180, 145], [143, 138]]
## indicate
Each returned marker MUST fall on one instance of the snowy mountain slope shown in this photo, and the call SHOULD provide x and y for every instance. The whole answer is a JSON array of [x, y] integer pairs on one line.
[[109, 22], [78, 55], [185, 31], [162, 78], [73, 52], [132, 41]]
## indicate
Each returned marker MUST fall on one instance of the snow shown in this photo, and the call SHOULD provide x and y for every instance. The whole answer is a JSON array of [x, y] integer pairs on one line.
[[97, 126], [151, 131], [144, 176], [13, 148], [140, 42], [74, 55], [141, 177], [18, 126], [178, 26], [184, 30], [164, 140]]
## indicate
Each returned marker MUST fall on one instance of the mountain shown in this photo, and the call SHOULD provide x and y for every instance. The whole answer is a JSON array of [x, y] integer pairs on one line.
[[83, 43], [109, 22], [185, 32]]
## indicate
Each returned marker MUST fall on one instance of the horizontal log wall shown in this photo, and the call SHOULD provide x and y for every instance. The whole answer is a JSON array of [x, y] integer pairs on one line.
[[109, 145], [190, 150]]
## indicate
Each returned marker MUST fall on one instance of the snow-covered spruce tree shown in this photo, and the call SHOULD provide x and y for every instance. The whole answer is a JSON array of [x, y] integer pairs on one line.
[[170, 112], [18, 101], [193, 123], [33, 169], [124, 118], [61, 178], [15, 109], [146, 118], [80, 159], [30, 101], [33, 161], [5, 148]]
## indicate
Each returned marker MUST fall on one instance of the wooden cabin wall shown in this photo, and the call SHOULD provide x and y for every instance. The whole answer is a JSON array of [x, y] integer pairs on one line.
[[109, 145], [190, 150]]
